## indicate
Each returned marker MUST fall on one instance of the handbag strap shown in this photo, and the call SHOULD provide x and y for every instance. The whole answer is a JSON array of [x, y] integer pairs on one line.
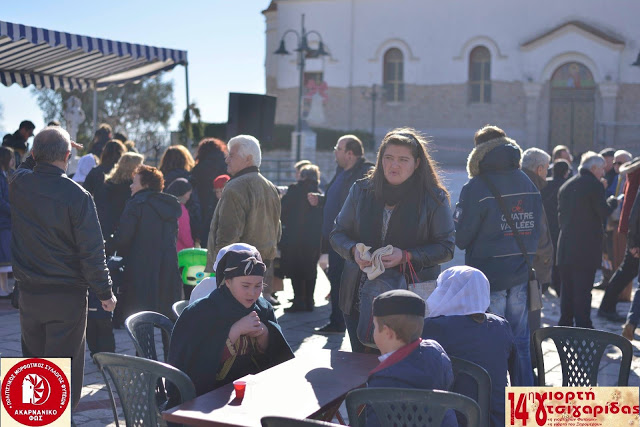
[[496, 194]]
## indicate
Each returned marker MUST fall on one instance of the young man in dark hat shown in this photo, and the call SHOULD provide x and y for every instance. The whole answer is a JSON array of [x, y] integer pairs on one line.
[[407, 361]]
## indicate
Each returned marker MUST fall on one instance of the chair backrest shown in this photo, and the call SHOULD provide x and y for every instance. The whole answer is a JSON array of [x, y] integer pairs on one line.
[[292, 422], [135, 381], [141, 328], [400, 406], [580, 352], [464, 368], [179, 306]]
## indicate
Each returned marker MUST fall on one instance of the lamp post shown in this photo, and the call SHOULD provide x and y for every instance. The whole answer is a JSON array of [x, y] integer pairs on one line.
[[373, 95], [303, 50]]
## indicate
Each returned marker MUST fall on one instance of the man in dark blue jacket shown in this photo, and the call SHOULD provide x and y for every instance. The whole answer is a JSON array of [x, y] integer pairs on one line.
[[352, 166], [489, 244]]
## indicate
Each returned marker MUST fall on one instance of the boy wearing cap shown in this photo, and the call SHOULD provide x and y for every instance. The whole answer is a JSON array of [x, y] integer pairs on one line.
[[407, 361]]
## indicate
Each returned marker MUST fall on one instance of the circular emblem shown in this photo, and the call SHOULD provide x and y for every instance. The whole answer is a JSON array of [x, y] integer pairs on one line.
[[35, 392]]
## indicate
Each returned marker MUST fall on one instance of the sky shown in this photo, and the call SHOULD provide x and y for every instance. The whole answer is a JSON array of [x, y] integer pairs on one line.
[[225, 41]]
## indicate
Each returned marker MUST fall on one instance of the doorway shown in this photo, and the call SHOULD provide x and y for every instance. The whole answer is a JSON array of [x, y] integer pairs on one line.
[[572, 108]]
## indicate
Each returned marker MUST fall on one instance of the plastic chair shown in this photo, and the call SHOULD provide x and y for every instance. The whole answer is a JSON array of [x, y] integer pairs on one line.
[[135, 381], [292, 422], [178, 307], [580, 352], [400, 406], [141, 328], [482, 380]]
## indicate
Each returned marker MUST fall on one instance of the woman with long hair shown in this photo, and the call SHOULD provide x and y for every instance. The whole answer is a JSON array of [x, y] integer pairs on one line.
[[209, 165], [7, 163], [177, 162], [94, 182], [402, 203], [117, 191]]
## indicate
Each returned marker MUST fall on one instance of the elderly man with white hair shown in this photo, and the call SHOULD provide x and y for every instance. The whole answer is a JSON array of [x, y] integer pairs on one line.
[[582, 209], [249, 209], [458, 321]]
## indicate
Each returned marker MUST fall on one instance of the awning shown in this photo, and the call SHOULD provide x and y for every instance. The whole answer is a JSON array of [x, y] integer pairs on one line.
[[52, 59]]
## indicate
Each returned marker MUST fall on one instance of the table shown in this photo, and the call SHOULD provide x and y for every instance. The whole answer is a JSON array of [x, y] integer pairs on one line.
[[301, 387]]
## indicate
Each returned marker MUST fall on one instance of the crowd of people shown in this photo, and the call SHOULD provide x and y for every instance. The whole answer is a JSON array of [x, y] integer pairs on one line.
[[522, 213]]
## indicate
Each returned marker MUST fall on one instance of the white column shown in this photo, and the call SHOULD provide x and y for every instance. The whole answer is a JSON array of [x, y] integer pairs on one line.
[[532, 92]]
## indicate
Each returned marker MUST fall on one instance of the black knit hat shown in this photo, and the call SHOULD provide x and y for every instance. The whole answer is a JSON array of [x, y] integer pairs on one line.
[[239, 263], [398, 301], [179, 187]]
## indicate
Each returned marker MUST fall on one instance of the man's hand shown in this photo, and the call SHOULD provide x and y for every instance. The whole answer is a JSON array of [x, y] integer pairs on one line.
[[313, 198], [76, 145], [109, 304], [390, 261], [635, 252]]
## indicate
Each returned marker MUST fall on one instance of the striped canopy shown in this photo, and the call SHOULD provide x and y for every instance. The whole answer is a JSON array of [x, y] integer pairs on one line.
[[51, 59]]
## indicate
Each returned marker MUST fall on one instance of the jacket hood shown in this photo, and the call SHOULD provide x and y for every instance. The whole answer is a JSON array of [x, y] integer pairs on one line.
[[165, 205], [174, 174], [500, 154]]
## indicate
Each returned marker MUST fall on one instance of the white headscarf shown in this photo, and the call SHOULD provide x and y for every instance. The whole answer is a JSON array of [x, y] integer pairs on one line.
[[461, 290], [85, 164]]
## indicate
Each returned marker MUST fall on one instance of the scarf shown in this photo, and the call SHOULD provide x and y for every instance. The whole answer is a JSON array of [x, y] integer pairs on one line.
[[403, 225]]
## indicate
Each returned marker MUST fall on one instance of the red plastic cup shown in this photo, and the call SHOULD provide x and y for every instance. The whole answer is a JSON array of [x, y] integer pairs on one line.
[[240, 387]]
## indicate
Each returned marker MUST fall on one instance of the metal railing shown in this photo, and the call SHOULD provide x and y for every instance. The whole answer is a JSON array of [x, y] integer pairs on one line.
[[278, 171]]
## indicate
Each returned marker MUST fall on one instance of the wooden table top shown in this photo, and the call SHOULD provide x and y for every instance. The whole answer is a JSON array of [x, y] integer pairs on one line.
[[297, 388]]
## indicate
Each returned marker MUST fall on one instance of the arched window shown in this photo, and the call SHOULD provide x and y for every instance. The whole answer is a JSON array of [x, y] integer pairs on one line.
[[394, 75], [480, 75]]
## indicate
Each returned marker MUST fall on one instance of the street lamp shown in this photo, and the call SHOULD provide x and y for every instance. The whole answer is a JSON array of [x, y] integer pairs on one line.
[[303, 50], [373, 96]]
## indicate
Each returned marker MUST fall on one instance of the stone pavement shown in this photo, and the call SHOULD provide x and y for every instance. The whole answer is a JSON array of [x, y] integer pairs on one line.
[[94, 409]]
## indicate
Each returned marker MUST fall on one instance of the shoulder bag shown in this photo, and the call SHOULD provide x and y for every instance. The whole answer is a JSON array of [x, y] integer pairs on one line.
[[535, 292]]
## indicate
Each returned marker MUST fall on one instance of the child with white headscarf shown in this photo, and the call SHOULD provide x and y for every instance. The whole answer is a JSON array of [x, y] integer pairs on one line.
[[458, 321]]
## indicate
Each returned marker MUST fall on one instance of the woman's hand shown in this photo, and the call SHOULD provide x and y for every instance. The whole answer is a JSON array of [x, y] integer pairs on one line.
[[361, 263], [248, 325], [390, 261]]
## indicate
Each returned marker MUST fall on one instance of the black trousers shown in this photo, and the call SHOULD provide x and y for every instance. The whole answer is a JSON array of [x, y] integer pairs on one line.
[[100, 336], [575, 298], [54, 325], [620, 279]]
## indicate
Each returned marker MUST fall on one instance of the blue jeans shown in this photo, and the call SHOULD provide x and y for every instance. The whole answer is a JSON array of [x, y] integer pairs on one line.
[[512, 305]]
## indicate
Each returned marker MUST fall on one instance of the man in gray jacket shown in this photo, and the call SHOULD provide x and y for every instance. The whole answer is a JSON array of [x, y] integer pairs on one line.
[[249, 209]]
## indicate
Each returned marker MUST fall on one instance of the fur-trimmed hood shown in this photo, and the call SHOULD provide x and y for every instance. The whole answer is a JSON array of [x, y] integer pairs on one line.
[[509, 153]]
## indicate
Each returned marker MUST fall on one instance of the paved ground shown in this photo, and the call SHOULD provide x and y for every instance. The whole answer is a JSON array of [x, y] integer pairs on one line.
[[95, 410]]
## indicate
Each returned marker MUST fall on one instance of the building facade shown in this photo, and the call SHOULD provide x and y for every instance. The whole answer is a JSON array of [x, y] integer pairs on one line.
[[548, 72]]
